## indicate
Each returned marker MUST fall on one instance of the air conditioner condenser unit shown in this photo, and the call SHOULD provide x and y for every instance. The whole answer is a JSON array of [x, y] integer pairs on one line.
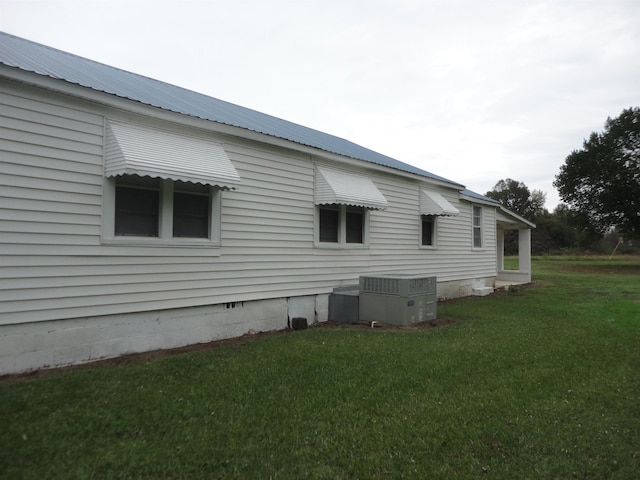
[[397, 299]]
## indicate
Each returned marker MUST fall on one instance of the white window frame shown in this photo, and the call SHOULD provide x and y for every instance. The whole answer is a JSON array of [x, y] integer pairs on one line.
[[165, 228], [479, 227], [342, 229], [434, 236]]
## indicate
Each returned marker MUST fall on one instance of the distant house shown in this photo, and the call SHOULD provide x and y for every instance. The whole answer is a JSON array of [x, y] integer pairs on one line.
[[137, 215]]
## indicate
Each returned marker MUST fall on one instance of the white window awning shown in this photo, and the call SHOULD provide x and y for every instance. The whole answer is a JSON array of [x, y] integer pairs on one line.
[[137, 150], [342, 188], [432, 203]]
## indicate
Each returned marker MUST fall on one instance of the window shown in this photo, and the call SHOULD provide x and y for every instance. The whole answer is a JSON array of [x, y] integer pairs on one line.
[[343, 203], [329, 224], [163, 186], [152, 210], [341, 224], [354, 224], [477, 227], [428, 231], [137, 206], [191, 210]]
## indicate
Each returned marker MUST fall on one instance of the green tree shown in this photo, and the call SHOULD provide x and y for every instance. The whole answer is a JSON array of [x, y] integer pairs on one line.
[[553, 233], [601, 182], [517, 197]]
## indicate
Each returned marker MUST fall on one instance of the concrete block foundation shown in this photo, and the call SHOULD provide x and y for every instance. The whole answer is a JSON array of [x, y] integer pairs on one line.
[[33, 346]]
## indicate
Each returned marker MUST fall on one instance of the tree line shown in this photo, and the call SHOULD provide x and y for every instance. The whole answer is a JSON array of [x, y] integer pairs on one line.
[[599, 186]]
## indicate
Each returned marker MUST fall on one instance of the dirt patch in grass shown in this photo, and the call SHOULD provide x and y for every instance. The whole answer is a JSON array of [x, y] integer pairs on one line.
[[237, 342], [378, 326]]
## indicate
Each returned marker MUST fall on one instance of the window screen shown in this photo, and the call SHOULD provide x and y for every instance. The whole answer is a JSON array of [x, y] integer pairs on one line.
[[191, 210], [477, 227], [427, 230], [137, 206], [329, 221], [355, 224]]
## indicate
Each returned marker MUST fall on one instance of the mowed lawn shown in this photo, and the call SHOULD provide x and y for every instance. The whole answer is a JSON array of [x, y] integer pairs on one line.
[[540, 382]]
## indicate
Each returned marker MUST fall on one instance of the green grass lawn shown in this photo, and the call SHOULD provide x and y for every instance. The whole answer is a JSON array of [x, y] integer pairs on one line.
[[540, 382]]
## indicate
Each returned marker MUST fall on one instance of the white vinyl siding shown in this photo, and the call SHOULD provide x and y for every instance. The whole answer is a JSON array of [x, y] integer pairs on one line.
[[55, 266]]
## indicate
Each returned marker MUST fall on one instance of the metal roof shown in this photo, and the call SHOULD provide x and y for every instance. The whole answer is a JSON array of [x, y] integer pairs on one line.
[[477, 196], [43, 60]]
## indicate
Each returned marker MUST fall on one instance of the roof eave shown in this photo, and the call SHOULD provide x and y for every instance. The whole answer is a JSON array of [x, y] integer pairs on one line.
[[86, 93], [517, 217]]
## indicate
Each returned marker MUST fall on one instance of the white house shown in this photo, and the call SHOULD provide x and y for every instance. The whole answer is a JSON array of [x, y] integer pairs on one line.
[[137, 215]]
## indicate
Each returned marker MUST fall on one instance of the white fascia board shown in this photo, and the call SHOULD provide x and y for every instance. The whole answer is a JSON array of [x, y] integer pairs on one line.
[[517, 217]]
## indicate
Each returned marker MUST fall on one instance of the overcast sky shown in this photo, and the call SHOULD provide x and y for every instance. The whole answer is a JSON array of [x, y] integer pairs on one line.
[[471, 90]]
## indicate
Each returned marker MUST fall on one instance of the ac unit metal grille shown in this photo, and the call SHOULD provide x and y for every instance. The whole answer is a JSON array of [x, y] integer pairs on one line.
[[420, 285], [398, 284], [389, 286]]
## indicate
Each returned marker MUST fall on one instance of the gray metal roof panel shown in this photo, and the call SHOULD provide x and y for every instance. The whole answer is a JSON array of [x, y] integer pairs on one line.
[[477, 196], [47, 61]]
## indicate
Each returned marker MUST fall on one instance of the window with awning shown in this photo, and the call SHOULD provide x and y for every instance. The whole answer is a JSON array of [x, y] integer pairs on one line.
[[343, 201], [163, 187]]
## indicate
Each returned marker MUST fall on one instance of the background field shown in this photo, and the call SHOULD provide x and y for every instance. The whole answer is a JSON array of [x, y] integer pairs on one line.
[[536, 382]]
